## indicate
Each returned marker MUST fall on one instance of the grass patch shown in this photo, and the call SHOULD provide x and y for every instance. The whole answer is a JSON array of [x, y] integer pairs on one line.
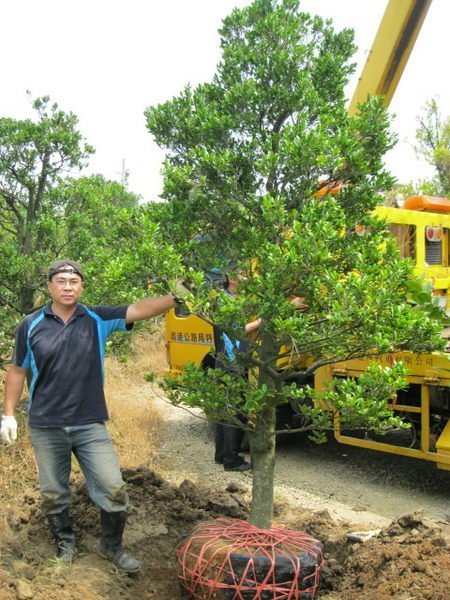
[[134, 420]]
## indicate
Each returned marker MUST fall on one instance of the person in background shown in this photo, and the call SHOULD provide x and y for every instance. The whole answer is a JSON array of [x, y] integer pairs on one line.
[[228, 438], [62, 344]]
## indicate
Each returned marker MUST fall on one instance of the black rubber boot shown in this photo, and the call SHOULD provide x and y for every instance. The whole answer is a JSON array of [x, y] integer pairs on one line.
[[110, 546], [63, 533]]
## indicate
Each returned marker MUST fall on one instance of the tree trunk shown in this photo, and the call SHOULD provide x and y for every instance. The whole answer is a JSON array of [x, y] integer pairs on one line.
[[26, 299], [262, 446], [262, 443]]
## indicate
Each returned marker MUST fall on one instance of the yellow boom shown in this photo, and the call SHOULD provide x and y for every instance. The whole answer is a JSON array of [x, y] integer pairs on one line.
[[390, 50]]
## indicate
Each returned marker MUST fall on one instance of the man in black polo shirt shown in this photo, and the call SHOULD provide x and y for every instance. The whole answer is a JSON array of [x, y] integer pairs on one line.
[[62, 345]]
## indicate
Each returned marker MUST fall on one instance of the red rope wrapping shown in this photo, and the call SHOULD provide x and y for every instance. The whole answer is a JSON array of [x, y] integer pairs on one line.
[[234, 560]]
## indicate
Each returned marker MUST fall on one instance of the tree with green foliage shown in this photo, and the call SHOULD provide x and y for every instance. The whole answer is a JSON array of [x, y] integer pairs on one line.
[[433, 137], [120, 242], [46, 213], [34, 155], [245, 153]]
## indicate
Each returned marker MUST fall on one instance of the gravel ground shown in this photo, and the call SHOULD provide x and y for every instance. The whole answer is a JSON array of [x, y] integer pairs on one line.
[[354, 485]]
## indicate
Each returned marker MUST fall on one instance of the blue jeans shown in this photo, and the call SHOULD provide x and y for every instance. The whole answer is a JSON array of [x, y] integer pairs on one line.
[[93, 449]]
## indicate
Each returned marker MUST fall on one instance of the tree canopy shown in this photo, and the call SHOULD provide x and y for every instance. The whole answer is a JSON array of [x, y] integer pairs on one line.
[[271, 122], [245, 157]]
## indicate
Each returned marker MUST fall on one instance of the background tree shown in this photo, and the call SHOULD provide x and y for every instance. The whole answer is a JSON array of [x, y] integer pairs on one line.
[[433, 137], [33, 157], [245, 154], [45, 214], [119, 241]]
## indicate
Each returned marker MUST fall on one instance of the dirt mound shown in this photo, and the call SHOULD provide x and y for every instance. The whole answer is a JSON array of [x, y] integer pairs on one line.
[[410, 555], [409, 560]]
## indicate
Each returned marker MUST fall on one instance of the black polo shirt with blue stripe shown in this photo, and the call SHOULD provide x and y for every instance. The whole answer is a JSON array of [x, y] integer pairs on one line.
[[67, 363]]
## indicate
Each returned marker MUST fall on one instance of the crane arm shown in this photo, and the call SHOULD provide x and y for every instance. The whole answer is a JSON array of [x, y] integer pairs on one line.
[[390, 50]]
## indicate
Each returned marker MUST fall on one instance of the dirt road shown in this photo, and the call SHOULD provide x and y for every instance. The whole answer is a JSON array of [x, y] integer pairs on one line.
[[353, 484]]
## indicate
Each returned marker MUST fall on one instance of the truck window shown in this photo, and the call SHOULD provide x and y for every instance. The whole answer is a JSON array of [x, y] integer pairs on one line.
[[405, 236]]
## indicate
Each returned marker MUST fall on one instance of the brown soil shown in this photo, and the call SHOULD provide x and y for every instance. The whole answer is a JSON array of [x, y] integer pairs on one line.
[[408, 560]]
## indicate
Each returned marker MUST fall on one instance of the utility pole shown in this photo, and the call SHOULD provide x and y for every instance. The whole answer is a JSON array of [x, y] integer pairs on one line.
[[124, 174]]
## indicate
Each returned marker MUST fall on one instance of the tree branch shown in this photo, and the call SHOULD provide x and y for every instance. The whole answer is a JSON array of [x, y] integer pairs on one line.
[[5, 302]]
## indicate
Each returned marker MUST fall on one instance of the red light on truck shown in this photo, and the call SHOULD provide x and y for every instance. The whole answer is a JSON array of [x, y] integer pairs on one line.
[[434, 234]]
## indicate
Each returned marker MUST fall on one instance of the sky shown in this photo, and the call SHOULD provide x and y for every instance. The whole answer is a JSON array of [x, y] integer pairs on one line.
[[108, 60]]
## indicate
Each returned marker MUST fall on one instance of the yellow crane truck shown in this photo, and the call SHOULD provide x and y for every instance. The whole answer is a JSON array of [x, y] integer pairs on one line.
[[421, 226]]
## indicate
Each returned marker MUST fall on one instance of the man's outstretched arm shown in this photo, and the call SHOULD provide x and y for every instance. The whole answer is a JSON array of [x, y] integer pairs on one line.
[[150, 307]]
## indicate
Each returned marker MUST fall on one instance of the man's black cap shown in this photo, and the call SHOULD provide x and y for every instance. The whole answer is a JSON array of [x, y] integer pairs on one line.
[[65, 266]]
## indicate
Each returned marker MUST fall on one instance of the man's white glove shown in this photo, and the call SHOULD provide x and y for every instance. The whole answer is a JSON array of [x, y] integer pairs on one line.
[[8, 430]]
